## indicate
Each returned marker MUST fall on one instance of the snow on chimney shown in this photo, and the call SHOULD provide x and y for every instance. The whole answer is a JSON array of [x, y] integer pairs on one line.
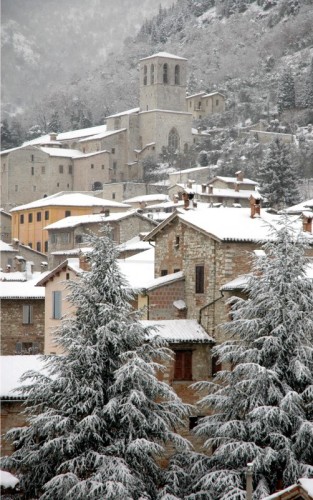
[[176, 198], [53, 136], [190, 182], [210, 188], [236, 186], [255, 205], [307, 221], [239, 176]]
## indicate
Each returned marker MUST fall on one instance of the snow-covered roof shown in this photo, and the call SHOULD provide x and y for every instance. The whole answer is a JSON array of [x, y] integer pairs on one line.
[[123, 113], [103, 135], [70, 199], [304, 483], [61, 152], [134, 244], [191, 170], [238, 283], [234, 180], [164, 280], [300, 207], [198, 94], [21, 290], [5, 247], [229, 224], [77, 220], [179, 330], [220, 192], [211, 94], [148, 197], [307, 485], [138, 269], [164, 54], [166, 204], [11, 370], [67, 136], [70, 263], [89, 155]]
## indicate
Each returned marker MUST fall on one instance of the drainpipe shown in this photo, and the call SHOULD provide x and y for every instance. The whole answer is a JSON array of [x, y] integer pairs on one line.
[[208, 305]]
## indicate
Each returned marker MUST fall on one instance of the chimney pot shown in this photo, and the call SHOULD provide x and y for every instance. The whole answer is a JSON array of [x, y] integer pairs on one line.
[[239, 175], [211, 189], [255, 206], [186, 201], [307, 221]]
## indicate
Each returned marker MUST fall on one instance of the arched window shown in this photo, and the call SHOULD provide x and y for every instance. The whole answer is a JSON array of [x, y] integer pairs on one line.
[[177, 75], [145, 75], [152, 74], [165, 73], [97, 186], [173, 140]]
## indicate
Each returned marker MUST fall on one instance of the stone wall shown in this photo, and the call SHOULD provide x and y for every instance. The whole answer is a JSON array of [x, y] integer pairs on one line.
[[13, 330], [11, 416], [160, 301]]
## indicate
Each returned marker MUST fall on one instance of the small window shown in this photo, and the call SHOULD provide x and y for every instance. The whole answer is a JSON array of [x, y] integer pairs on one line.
[[60, 169], [176, 270], [114, 166], [113, 196], [38, 216], [67, 213], [216, 365], [113, 150], [38, 246], [47, 215], [32, 170], [165, 73], [152, 74], [22, 219], [199, 279], [92, 165], [30, 244], [102, 167], [27, 315], [16, 187], [30, 217], [70, 169], [67, 276], [216, 102], [32, 157], [56, 305], [177, 242], [46, 246], [43, 169], [26, 347], [183, 365], [164, 272]]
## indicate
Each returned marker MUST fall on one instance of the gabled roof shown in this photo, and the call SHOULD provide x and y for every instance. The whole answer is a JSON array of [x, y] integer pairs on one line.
[[228, 224], [103, 135], [67, 136], [233, 180], [21, 290], [179, 331], [71, 264], [70, 199], [78, 220]]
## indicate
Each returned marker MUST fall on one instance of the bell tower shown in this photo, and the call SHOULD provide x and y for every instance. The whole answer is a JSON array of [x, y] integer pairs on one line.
[[163, 82]]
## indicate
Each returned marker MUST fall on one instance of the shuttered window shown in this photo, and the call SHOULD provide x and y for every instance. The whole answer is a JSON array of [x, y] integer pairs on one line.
[[27, 314], [183, 365], [56, 305], [199, 279]]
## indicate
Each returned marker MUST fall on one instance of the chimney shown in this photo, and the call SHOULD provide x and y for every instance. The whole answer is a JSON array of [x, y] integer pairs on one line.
[[186, 201], [142, 205], [53, 136], [176, 198], [210, 188], [8, 268], [239, 176], [255, 205], [190, 183], [249, 481], [15, 244], [307, 221], [84, 262], [203, 186], [236, 186]]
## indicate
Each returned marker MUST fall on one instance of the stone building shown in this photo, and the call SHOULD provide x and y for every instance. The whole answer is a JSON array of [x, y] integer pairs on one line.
[[203, 104], [211, 247], [13, 257], [89, 158], [70, 233], [22, 317]]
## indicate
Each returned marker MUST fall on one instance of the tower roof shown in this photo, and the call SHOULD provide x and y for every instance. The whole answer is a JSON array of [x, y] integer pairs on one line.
[[165, 55]]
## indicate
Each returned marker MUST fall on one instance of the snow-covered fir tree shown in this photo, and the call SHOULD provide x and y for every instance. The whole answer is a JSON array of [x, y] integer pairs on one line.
[[286, 98], [278, 177], [262, 404], [99, 422]]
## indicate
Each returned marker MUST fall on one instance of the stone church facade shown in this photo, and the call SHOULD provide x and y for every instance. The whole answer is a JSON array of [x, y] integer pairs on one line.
[[85, 160]]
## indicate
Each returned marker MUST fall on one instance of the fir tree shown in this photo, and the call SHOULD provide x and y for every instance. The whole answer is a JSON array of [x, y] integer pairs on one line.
[[278, 176], [286, 98], [98, 423], [309, 87], [262, 408]]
